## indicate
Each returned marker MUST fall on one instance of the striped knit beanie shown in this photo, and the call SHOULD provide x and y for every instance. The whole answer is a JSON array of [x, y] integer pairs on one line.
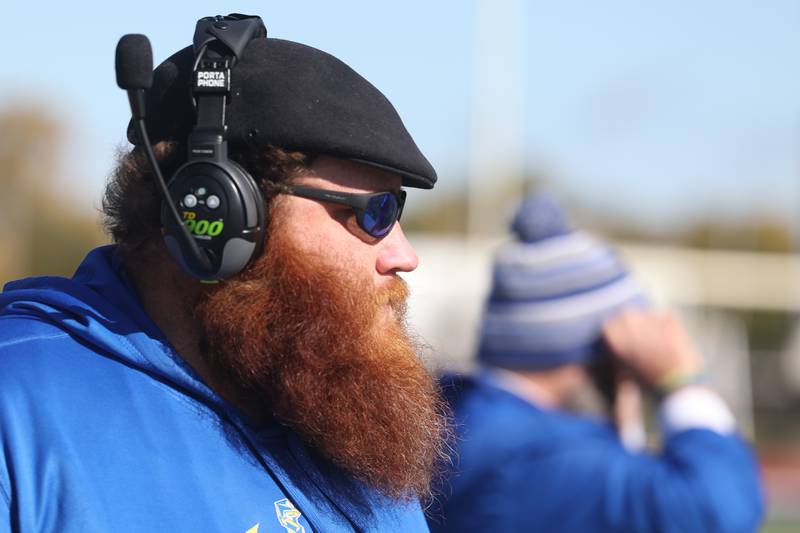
[[552, 290]]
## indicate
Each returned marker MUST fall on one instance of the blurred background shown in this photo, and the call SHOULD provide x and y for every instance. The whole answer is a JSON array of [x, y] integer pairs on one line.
[[672, 130]]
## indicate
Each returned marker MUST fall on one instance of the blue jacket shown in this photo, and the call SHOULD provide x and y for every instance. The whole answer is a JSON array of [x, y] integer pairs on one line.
[[103, 427], [520, 468]]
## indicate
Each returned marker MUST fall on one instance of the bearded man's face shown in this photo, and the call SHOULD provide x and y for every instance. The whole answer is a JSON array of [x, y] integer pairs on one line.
[[313, 333]]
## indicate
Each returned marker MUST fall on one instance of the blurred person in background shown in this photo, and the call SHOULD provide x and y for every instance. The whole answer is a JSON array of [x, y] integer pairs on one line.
[[137, 396], [565, 312]]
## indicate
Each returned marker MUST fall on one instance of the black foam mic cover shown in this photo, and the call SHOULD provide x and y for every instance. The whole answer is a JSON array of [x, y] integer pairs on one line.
[[134, 62]]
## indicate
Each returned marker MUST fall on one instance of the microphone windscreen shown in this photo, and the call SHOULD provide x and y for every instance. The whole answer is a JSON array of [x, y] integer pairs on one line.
[[134, 62]]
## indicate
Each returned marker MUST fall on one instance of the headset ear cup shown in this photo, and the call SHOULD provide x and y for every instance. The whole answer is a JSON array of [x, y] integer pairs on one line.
[[223, 208], [251, 189]]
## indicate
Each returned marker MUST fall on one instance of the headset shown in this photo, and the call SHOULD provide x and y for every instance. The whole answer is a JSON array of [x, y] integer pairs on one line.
[[212, 213]]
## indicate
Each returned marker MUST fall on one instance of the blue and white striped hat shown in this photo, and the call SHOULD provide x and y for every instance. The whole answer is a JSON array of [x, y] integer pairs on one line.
[[551, 292]]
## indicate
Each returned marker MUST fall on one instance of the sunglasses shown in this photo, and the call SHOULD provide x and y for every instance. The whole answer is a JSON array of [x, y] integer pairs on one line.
[[376, 212]]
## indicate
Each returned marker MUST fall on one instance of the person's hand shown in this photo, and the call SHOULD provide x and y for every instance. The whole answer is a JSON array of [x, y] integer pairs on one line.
[[655, 346]]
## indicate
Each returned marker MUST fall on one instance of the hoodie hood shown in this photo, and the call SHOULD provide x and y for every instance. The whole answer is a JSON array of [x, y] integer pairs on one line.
[[99, 307]]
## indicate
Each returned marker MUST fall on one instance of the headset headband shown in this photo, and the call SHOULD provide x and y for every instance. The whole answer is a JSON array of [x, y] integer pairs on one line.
[[218, 43], [234, 31]]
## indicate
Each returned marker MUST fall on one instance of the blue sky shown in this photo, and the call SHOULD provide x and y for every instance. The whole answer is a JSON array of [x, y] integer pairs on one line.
[[660, 113]]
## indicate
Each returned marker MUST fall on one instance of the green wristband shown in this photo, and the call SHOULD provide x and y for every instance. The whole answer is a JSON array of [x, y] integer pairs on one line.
[[673, 381]]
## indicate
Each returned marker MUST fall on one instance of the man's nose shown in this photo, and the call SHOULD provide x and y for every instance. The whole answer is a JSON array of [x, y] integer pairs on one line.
[[396, 253]]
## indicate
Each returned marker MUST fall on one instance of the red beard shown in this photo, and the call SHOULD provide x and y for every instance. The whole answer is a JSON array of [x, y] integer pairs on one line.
[[299, 338]]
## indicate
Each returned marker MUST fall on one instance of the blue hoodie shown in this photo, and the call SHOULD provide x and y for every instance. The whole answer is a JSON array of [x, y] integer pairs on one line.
[[522, 468], [103, 427]]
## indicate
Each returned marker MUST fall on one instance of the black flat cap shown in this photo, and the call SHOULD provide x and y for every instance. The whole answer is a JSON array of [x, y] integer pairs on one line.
[[295, 97]]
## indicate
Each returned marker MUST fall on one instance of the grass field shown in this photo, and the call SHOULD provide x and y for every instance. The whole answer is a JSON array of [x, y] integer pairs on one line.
[[781, 526]]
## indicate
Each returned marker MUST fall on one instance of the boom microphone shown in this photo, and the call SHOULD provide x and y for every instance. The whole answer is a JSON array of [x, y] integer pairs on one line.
[[134, 67], [134, 62]]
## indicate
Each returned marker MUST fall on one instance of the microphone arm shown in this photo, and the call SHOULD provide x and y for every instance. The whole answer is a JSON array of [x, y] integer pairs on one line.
[[134, 69], [185, 239]]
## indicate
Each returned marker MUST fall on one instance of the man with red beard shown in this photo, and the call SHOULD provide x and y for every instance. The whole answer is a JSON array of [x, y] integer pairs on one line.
[[289, 395]]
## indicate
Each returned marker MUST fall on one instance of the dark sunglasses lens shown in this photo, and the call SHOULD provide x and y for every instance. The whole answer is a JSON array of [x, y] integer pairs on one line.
[[380, 214]]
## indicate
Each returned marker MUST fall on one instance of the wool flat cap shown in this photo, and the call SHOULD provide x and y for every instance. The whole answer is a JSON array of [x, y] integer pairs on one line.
[[295, 97]]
